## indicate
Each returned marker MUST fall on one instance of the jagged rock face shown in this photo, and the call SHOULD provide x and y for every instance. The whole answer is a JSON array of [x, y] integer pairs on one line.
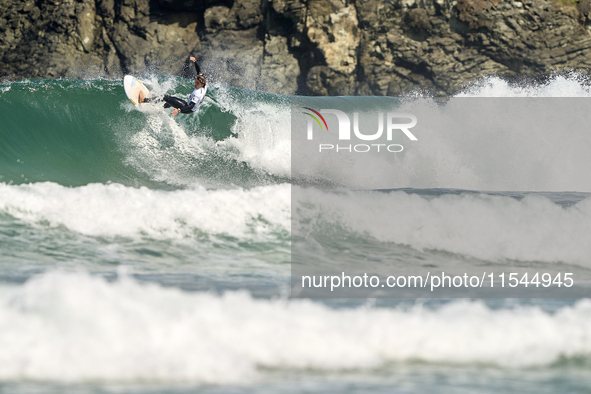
[[68, 38], [321, 47], [333, 28], [236, 50], [443, 45]]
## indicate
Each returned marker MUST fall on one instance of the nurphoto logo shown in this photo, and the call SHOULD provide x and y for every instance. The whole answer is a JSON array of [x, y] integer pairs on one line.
[[395, 121]]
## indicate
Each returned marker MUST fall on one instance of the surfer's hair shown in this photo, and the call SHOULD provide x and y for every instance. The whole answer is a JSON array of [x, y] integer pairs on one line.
[[201, 80]]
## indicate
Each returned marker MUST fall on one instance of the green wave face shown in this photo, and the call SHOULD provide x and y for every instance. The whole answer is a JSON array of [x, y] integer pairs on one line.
[[76, 132]]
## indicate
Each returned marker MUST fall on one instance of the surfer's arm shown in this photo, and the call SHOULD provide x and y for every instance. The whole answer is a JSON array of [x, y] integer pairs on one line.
[[197, 68]]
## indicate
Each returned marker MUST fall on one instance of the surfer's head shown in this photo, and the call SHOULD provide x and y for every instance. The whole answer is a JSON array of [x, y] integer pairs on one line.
[[200, 81]]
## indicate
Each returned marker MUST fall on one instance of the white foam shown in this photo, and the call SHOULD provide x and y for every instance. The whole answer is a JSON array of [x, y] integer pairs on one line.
[[263, 132], [170, 148], [530, 158], [492, 228], [74, 327], [163, 150], [463, 144], [115, 210], [570, 85]]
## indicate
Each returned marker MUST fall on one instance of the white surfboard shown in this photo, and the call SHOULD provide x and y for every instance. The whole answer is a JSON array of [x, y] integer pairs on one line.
[[133, 86]]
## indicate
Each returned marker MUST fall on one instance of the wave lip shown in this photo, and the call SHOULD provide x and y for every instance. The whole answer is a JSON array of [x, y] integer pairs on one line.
[[137, 332]]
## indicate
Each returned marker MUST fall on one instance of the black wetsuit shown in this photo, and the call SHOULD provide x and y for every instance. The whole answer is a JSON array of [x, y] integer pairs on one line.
[[180, 104], [175, 102]]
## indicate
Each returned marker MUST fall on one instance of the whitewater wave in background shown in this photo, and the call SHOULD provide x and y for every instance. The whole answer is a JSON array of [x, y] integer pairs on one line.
[[487, 227], [566, 85], [117, 211], [74, 327]]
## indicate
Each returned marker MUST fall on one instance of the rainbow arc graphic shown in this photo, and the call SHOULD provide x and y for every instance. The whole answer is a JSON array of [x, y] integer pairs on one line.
[[315, 118]]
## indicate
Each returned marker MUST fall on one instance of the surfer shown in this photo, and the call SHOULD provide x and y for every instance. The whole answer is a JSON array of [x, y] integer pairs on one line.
[[179, 104]]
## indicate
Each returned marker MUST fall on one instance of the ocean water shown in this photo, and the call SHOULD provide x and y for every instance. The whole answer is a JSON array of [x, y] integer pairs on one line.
[[141, 253]]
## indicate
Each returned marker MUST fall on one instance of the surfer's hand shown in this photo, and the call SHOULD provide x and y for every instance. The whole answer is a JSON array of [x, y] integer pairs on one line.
[[175, 112], [192, 59]]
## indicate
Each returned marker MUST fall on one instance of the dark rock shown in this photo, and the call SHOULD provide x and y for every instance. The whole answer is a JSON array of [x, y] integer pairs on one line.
[[216, 18], [323, 47], [280, 68], [232, 56]]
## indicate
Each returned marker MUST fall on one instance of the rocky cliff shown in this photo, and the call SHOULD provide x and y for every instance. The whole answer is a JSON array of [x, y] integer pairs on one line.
[[320, 47]]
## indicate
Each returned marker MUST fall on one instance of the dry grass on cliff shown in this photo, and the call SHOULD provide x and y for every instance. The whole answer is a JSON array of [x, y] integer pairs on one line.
[[572, 3]]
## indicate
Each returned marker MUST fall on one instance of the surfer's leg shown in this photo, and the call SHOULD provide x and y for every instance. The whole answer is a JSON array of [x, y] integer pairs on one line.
[[174, 102], [143, 99]]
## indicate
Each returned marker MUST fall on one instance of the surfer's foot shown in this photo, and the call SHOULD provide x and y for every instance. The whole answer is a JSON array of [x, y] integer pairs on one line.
[[141, 97]]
